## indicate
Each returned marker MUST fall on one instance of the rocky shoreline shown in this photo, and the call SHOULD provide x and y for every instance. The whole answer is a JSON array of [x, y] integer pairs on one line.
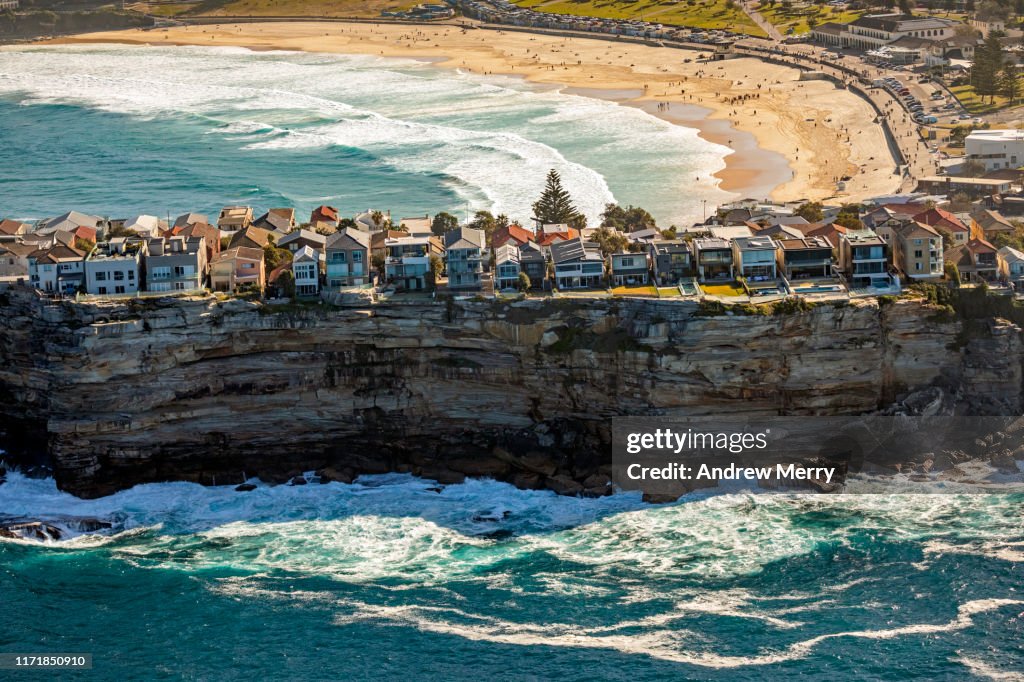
[[215, 391]]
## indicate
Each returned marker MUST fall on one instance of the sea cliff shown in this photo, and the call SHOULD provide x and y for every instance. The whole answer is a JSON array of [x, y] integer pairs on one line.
[[214, 391]]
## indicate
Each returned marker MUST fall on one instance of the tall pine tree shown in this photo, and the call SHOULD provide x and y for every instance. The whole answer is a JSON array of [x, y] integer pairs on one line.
[[988, 64], [555, 205], [1009, 84]]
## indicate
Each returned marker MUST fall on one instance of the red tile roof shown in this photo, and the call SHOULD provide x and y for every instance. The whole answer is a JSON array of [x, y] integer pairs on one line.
[[86, 233], [324, 214], [938, 217], [502, 235]]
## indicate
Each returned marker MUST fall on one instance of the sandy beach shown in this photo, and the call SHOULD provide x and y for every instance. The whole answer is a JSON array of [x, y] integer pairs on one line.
[[793, 139]]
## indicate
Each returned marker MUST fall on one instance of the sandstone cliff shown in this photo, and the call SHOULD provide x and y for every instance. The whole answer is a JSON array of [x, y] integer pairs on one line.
[[212, 391]]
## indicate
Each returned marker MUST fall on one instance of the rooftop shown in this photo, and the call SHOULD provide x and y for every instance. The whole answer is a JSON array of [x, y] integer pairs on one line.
[[755, 243]]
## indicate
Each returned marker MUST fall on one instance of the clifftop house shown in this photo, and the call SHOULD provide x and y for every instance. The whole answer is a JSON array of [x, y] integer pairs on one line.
[[234, 218], [280, 220], [464, 248], [57, 269]]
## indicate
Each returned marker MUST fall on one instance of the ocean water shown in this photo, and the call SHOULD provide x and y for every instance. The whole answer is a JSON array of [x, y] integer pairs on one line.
[[394, 577], [118, 130]]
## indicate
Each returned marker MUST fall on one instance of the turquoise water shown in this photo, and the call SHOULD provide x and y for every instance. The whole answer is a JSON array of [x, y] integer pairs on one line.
[[119, 130], [396, 577]]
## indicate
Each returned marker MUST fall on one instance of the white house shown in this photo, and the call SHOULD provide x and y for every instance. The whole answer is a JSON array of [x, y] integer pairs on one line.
[[113, 267], [996, 149], [306, 268], [506, 266], [145, 225]]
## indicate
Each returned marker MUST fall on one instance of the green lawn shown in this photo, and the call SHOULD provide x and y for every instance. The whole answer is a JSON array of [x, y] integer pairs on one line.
[[797, 15], [169, 9], [974, 104], [706, 14], [635, 291], [730, 289], [300, 8]]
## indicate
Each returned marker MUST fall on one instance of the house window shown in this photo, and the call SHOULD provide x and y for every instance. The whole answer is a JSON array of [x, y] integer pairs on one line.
[[357, 256], [118, 276], [338, 256], [102, 290], [917, 242], [101, 277], [917, 266], [119, 289], [918, 253], [162, 272], [131, 275]]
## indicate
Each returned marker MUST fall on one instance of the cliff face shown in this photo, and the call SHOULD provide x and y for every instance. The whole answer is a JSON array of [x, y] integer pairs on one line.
[[214, 391]]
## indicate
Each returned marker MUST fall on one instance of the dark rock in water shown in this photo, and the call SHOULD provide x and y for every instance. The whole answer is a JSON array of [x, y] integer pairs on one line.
[[31, 530], [87, 524], [564, 485], [527, 481], [434, 489], [332, 475], [1005, 461], [245, 487], [299, 480], [501, 534], [37, 472], [597, 485], [491, 517]]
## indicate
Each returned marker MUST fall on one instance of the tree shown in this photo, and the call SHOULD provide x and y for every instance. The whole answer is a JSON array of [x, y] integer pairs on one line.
[[286, 283], [346, 223], [611, 241], [524, 282], [502, 221], [483, 220], [812, 211], [952, 273], [378, 261], [972, 168], [906, 7], [378, 219], [443, 222], [84, 244], [988, 64], [434, 273], [629, 219], [849, 217], [274, 257], [555, 205], [1009, 83]]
